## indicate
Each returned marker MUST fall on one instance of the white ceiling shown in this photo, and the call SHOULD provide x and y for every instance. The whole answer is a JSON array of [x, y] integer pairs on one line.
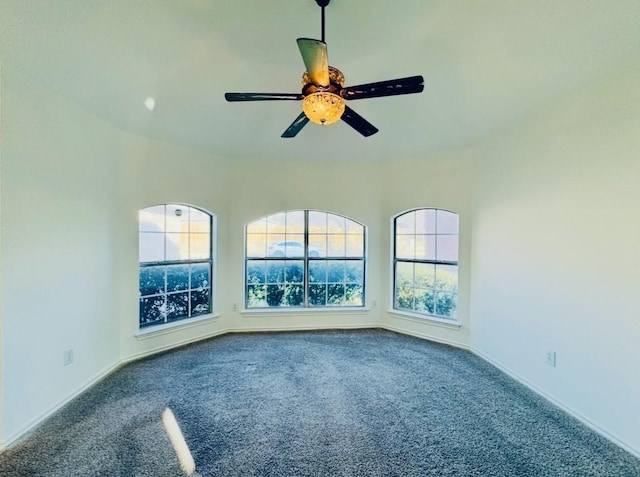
[[487, 65]]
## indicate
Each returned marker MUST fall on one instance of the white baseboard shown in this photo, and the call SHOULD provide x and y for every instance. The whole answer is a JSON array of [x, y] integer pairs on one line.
[[39, 420], [424, 336], [586, 421]]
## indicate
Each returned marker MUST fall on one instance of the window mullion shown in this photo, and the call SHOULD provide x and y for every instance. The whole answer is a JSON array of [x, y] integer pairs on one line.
[[305, 276]]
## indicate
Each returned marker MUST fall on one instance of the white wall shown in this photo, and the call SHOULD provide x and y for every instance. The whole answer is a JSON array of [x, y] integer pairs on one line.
[[556, 254], [58, 230], [265, 188], [152, 172], [549, 246], [442, 182]]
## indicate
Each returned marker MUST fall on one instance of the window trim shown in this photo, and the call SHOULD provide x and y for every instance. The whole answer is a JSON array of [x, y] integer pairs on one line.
[[412, 315], [305, 308]]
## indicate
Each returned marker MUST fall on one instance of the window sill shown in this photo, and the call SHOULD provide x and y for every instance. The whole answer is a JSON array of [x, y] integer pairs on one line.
[[356, 310], [153, 331], [432, 320]]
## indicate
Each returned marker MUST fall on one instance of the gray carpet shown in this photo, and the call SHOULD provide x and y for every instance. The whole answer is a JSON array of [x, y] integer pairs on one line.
[[329, 403]]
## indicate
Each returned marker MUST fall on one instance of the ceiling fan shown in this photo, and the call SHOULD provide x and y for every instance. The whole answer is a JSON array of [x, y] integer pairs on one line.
[[323, 91]]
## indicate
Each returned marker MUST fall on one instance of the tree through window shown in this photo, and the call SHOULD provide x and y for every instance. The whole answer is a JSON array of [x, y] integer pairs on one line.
[[304, 258]]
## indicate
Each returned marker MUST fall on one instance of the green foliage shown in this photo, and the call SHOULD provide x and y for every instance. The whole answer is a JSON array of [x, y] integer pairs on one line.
[[428, 290], [280, 283]]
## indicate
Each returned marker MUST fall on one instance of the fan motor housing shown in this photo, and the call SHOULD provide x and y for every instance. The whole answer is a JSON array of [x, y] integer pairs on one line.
[[336, 83]]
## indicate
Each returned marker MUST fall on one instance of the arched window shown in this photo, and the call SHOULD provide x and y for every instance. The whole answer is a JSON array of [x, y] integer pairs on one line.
[[304, 258], [176, 263], [425, 264]]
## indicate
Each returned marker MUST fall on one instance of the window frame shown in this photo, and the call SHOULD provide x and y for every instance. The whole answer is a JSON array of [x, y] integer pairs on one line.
[[444, 319], [306, 258], [167, 322]]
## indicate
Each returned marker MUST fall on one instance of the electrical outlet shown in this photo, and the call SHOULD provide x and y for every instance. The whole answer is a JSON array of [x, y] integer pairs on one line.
[[67, 357], [551, 358], [235, 307], [374, 304]]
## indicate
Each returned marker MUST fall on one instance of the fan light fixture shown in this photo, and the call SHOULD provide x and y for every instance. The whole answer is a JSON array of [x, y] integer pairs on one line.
[[323, 107]]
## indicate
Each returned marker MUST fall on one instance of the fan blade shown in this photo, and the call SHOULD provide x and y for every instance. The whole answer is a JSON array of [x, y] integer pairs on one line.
[[296, 126], [263, 96], [358, 123], [316, 61], [412, 84]]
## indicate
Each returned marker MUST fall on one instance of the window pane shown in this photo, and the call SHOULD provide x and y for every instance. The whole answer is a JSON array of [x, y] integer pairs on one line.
[[200, 276], [295, 222], [199, 221], [294, 295], [294, 272], [425, 247], [423, 300], [335, 294], [317, 245], [447, 278], [177, 306], [355, 272], [337, 245], [294, 245], [318, 271], [448, 248], [177, 278], [404, 274], [335, 271], [405, 224], [336, 224], [404, 298], [317, 222], [200, 302], [276, 223], [355, 246], [353, 295], [447, 222], [318, 295], [256, 272], [199, 246], [256, 245], [151, 219], [354, 228], [151, 280], [177, 218], [425, 221], [152, 310], [177, 246], [256, 296], [151, 247], [425, 275], [275, 271], [405, 246], [276, 245], [446, 304], [275, 295]]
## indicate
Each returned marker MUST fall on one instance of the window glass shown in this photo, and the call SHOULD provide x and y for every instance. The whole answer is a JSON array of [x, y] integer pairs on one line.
[[426, 262], [304, 258], [175, 254]]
